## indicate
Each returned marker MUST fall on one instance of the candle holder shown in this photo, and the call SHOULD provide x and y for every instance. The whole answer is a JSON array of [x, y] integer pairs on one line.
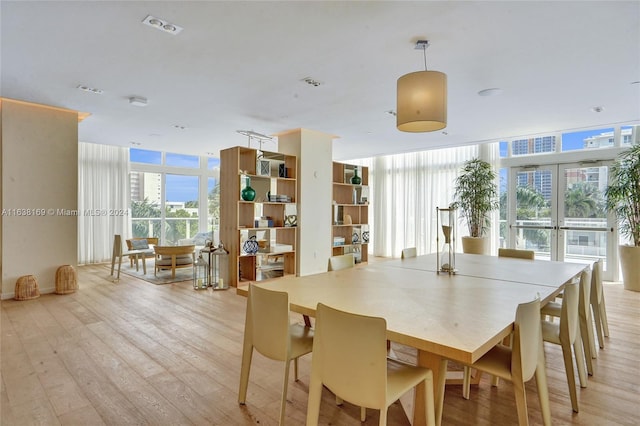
[[445, 226]]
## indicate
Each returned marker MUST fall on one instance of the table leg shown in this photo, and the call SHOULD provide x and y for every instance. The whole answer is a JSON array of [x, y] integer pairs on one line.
[[438, 366], [144, 263]]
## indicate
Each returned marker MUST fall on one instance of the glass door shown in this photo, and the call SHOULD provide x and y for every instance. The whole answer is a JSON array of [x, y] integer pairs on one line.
[[559, 213], [532, 224], [585, 230]]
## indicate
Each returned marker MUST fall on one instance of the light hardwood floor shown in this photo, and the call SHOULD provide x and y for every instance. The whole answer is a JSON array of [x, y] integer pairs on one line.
[[137, 353]]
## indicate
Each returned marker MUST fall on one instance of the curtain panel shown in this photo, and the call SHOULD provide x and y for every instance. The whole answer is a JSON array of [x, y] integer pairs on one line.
[[407, 188], [103, 200]]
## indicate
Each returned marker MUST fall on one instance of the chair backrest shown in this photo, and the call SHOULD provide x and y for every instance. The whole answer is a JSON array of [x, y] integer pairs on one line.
[[520, 254], [569, 313], [343, 261], [350, 355], [596, 282], [177, 250], [585, 293], [268, 317], [409, 252], [527, 336], [149, 240], [117, 245]]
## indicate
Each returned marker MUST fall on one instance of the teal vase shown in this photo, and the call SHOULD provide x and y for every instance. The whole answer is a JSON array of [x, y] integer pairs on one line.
[[355, 179], [248, 193]]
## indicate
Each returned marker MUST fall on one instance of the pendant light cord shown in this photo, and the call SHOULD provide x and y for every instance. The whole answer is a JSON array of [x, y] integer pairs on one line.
[[424, 52]]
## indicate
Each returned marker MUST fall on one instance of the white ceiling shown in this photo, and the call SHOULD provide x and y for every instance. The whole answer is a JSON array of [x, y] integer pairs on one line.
[[238, 65]]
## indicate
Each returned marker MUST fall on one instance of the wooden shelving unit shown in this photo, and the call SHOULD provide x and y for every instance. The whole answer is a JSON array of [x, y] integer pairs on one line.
[[350, 201], [269, 174]]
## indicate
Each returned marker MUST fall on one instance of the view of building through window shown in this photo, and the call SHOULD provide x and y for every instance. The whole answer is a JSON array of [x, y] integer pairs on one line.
[[167, 204]]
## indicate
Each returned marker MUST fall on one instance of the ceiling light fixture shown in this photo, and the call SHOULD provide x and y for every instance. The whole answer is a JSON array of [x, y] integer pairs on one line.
[[161, 25], [138, 101], [494, 91], [422, 98], [311, 81], [250, 134], [89, 89]]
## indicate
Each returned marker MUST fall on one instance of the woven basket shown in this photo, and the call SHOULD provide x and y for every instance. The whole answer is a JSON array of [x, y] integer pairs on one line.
[[27, 288], [66, 280]]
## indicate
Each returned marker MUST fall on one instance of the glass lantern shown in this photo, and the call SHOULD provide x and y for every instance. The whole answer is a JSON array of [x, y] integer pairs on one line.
[[219, 267], [445, 224], [200, 269]]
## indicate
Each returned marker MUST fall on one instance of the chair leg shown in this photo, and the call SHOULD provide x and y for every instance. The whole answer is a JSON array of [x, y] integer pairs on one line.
[[307, 321], [543, 389], [119, 265], [586, 344], [579, 355], [571, 380], [603, 315], [247, 352], [597, 319], [429, 404], [363, 414], [315, 397], [521, 403], [383, 416], [466, 382], [295, 369], [285, 385], [591, 335]]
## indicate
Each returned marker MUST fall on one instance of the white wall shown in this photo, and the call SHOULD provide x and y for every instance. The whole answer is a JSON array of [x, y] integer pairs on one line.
[[40, 177], [315, 168]]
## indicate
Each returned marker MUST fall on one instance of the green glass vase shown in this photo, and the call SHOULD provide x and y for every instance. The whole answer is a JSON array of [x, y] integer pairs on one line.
[[248, 193], [355, 179]]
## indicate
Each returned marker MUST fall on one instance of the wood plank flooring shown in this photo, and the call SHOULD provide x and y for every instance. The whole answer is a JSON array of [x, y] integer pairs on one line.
[[132, 352]]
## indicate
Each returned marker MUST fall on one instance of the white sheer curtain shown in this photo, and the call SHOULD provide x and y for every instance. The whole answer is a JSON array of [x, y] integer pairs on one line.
[[103, 200], [407, 188]]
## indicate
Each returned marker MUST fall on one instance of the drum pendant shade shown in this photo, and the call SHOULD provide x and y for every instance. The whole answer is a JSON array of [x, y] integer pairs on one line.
[[422, 101]]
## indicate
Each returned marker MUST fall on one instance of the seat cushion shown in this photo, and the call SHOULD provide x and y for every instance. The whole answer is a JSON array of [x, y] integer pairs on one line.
[[180, 260]]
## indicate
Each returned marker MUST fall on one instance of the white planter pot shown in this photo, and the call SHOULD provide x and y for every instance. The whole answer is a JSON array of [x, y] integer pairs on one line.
[[629, 261], [476, 245]]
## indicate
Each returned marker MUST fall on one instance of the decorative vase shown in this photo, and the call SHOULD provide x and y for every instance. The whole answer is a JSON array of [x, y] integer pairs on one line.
[[355, 179], [248, 193], [251, 245]]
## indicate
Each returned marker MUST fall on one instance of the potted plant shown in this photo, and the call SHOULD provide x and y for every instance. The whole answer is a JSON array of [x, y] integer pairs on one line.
[[623, 199], [475, 196]]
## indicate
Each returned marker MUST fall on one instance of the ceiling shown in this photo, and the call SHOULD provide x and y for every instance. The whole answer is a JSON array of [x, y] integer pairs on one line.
[[239, 65]]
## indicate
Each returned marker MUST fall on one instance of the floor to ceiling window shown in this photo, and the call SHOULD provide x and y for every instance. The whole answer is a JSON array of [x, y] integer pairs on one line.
[[174, 196], [552, 197]]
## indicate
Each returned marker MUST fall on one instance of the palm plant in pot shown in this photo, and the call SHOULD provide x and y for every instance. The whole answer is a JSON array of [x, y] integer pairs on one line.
[[623, 198], [476, 196]]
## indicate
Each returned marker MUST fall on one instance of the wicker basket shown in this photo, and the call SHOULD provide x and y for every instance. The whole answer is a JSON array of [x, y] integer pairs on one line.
[[27, 288], [66, 280]]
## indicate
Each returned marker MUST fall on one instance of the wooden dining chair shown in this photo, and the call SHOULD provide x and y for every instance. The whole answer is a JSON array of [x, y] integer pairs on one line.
[[519, 362], [409, 252], [520, 254], [342, 261], [268, 330], [118, 253], [567, 335], [598, 305], [554, 309], [350, 359]]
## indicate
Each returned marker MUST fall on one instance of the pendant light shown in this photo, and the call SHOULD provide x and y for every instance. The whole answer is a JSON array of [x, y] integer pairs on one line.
[[422, 99]]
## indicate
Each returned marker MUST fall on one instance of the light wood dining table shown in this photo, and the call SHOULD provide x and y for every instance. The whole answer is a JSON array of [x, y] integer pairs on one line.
[[445, 317]]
